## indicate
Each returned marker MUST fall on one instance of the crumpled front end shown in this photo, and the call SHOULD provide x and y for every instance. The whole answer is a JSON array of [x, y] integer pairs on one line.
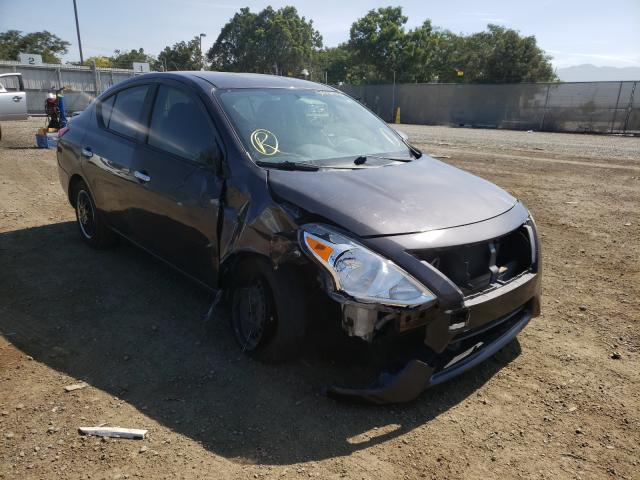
[[486, 279], [460, 352]]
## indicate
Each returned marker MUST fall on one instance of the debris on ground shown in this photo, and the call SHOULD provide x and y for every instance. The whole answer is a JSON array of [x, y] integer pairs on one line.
[[114, 432], [75, 386]]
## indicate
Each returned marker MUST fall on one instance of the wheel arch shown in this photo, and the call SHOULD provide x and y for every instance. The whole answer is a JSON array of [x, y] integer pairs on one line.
[[74, 181], [228, 267]]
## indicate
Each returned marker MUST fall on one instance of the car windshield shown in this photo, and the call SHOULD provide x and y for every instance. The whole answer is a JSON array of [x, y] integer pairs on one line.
[[319, 127]]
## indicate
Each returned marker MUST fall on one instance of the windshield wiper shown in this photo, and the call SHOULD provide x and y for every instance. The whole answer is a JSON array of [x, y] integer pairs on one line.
[[287, 165], [363, 158]]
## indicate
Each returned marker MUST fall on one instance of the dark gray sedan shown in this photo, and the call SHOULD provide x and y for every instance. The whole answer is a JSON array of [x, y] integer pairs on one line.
[[305, 211]]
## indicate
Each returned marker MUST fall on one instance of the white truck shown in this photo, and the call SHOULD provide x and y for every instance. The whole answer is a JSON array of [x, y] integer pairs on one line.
[[13, 99]]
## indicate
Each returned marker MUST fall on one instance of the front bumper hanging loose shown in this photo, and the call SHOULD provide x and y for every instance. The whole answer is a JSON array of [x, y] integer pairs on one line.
[[419, 374]]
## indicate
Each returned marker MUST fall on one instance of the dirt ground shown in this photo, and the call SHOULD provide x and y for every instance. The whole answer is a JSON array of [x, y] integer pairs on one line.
[[563, 401]]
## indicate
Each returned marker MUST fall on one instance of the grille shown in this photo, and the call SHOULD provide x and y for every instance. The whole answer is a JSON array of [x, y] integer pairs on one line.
[[481, 266]]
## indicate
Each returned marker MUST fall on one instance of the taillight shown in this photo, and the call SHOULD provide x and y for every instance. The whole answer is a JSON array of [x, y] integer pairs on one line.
[[62, 131]]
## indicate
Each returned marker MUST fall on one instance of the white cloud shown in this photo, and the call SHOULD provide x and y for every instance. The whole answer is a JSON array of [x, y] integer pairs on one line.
[[565, 59]]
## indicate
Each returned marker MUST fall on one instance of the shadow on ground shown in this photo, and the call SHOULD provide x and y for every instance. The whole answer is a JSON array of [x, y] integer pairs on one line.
[[127, 324]]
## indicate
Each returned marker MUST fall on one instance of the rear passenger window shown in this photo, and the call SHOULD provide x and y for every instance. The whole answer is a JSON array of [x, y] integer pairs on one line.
[[180, 125], [106, 107], [125, 112]]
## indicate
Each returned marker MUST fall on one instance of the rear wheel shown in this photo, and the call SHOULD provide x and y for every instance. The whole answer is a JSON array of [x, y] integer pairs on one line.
[[92, 228], [268, 316]]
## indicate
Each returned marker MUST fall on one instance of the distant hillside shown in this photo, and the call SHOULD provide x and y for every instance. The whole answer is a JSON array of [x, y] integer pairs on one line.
[[591, 73]]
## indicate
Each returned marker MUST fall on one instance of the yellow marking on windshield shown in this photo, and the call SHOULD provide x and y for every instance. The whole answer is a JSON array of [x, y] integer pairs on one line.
[[265, 142]]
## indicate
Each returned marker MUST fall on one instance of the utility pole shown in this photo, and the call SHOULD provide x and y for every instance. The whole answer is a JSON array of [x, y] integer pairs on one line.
[[75, 10], [201, 56]]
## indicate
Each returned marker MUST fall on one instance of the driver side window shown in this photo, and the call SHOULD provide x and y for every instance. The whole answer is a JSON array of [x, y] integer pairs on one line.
[[181, 126]]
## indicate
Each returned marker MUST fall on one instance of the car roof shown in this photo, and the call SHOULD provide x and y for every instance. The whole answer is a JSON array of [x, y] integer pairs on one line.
[[224, 80]]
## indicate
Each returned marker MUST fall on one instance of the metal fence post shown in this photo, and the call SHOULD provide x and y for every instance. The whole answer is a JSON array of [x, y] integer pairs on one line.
[[629, 107], [95, 77], [544, 111], [393, 97], [59, 75], [615, 110]]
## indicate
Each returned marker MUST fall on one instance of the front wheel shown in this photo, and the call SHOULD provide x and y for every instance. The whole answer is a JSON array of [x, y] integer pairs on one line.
[[269, 316], [92, 228]]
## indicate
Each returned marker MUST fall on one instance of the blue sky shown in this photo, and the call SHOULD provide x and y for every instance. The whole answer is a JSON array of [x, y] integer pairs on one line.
[[572, 31]]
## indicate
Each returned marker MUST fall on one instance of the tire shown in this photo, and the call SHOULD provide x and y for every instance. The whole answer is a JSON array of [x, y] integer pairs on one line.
[[91, 226], [268, 311]]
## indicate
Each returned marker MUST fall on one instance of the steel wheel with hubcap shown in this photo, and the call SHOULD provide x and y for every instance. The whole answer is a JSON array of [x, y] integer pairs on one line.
[[254, 313], [269, 310]]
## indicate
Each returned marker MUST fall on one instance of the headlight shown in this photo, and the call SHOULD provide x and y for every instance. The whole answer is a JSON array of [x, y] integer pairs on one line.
[[361, 273]]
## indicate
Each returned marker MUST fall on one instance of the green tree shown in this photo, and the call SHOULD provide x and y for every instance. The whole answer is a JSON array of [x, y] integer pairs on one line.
[[446, 58], [236, 48], [502, 55], [379, 40], [332, 65], [271, 41], [180, 56], [13, 42], [381, 47], [121, 59], [101, 62], [337, 65]]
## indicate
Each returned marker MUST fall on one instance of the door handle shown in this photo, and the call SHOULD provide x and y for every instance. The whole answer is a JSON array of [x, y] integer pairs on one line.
[[142, 176], [17, 98], [86, 152]]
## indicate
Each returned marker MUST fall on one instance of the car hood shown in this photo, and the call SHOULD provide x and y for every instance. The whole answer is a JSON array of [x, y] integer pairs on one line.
[[417, 196]]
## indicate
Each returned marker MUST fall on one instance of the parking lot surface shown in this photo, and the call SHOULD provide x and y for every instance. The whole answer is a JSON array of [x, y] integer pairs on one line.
[[563, 401]]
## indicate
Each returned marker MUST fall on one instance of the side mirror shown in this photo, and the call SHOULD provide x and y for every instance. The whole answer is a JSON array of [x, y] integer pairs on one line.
[[404, 136]]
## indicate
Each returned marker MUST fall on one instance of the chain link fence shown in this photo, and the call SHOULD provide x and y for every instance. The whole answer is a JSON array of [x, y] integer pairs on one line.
[[601, 107], [82, 84]]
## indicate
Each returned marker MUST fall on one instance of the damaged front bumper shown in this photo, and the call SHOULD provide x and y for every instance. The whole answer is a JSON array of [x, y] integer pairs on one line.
[[420, 374], [490, 322]]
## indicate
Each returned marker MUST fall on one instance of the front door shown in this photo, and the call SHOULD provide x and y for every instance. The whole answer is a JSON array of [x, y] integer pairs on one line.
[[13, 99], [175, 209]]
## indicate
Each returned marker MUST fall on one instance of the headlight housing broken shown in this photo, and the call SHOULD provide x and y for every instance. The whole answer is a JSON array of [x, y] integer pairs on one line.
[[361, 273]]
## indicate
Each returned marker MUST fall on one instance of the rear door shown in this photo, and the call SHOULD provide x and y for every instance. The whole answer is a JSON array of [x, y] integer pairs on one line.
[[175, 211], [13, 99], [109, 147]]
